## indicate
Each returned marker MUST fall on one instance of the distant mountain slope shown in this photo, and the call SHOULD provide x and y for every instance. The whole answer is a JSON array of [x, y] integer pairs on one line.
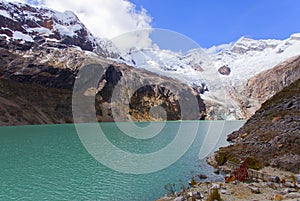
[[271, 136]]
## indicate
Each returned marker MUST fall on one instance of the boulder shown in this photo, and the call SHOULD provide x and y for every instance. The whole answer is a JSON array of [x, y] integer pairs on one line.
[[180, 198], [215, 186], [202, 176], [254, 189], [224, 70], [223, 191], [275, 179], [292, 196], [289, 190], [297, 178], [197, 195], [289, 184]]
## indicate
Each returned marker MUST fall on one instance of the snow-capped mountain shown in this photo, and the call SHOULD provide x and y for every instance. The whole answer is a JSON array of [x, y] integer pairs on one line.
[[186, 68], [245, 58], [248, 57], [224, 76], [24, 26], [224, 73]]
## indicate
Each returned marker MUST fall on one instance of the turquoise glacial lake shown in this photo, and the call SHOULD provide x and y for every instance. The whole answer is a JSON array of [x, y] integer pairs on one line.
[[50, 162]]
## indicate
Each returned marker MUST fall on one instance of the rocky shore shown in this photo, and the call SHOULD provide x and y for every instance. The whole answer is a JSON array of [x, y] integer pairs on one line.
[[269, 184]]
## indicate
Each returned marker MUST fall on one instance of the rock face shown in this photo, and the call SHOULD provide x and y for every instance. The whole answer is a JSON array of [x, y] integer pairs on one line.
[[41, 68], [271, 136], [138, 95], [123, 93], [266, 84]]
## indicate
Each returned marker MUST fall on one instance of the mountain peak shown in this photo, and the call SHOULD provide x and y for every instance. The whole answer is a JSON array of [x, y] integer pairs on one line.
[[245, 44], [25, 26], [295, 36], [29, 24]]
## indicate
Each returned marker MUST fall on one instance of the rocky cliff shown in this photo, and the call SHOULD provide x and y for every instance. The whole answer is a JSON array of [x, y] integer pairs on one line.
[[43, 95], [271, 136], [268, 83]]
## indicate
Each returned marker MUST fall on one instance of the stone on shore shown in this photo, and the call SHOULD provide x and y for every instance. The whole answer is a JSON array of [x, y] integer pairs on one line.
[[180, 198], [292, 196], [254, 189], [202, 176]]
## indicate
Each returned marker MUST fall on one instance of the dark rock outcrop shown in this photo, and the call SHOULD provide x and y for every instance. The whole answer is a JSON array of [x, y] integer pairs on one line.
[[125, 93], [224, 70]]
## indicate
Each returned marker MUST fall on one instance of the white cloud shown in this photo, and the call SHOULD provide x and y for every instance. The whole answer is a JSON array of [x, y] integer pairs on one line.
[[118, 20], [107, 18], [215, 49], [135, 39]]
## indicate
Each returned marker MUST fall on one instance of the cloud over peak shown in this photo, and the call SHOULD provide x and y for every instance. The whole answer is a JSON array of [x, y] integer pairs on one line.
[[104, 18]]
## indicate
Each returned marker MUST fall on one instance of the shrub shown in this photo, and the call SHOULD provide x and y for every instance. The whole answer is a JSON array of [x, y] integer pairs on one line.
[[221, 158], [214, 195], [241, 173], [192, 182], [252, 163]]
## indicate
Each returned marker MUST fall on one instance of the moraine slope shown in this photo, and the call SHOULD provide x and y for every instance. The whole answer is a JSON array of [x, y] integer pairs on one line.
[[271, 136]]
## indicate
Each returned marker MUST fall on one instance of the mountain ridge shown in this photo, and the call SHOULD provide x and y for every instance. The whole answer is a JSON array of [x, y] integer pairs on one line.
[[202, 68]]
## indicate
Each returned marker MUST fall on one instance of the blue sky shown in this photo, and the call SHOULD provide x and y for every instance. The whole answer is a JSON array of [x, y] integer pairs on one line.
[[214, 22]]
